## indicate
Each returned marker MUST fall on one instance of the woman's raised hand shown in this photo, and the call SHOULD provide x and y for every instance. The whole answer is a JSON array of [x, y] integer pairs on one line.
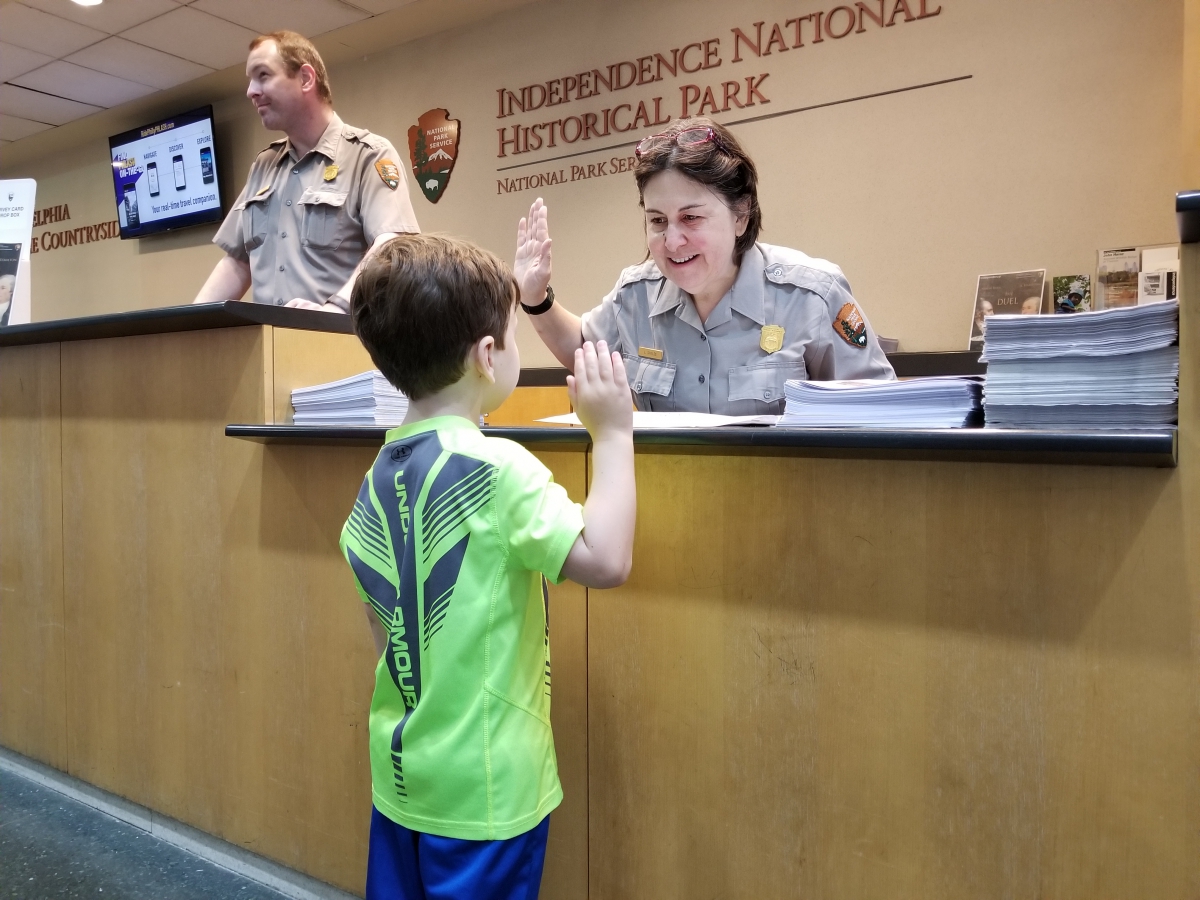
[[532, 263]]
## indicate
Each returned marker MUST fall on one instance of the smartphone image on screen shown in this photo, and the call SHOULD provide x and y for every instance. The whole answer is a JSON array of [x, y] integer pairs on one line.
[[152, 178], [206, 167], [177, 162], [131, 209]]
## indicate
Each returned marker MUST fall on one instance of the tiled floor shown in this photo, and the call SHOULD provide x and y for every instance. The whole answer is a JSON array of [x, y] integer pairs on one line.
[[52, 846]]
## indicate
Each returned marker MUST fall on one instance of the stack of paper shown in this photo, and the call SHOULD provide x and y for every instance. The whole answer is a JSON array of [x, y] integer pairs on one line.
[[941, 402], [364, 399], [1116, 368]]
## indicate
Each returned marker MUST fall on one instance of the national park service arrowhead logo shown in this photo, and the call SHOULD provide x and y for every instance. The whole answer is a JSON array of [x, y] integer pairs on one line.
[[850, 326], [433, 148]]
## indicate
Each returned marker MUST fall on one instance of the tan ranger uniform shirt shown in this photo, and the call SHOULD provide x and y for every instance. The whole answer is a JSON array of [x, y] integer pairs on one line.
[[786, 316], [305, 224]]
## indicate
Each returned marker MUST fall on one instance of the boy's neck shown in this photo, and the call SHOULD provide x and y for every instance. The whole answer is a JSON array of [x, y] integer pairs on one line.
[[462, 399]]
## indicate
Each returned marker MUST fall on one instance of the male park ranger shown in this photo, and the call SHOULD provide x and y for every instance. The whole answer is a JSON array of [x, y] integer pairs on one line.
[[316, 201]]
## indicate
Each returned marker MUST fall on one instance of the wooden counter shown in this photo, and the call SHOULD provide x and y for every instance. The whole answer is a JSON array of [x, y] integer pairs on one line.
[[827, 676]]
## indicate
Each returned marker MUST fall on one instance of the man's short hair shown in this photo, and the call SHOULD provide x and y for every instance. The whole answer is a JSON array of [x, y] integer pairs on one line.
[[422, 301], [296, 50]]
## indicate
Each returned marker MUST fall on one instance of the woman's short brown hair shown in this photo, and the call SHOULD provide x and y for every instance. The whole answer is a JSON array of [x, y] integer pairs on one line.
[[720, 164], [296, 50], [422, 301]]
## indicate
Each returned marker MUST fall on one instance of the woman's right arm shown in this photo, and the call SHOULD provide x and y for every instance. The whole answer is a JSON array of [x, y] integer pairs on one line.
[[558, 327]]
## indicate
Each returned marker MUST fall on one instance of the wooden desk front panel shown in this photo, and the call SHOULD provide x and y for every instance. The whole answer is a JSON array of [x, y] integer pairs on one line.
[[33, 709], [886, 679]]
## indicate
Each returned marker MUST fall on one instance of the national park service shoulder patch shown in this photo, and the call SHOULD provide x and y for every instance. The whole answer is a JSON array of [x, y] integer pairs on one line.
[[388, 172], [850, 326]]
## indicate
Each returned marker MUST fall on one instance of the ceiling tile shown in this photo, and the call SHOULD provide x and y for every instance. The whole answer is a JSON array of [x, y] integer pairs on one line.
[[111, 18], [13, 128], [195, 35], [35, 30], [375, 7], [64, 79], [309, 17], [16, 61], [145, 65], [17, 101]]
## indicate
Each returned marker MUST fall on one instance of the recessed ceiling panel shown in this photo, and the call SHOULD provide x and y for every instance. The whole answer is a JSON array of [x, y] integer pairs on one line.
[[375, 7], [35, 30], [111, 17], [27, 104], [16, 61], [195, 35], [133, 62], [309, 17], [13, 128], [65, 79]]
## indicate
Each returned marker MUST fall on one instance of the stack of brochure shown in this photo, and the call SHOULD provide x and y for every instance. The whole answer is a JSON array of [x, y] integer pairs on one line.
[[941, 402], [365, 399], [1116, 368]]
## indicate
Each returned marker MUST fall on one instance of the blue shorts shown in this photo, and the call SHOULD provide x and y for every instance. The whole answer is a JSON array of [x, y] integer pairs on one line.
[[412, 865]]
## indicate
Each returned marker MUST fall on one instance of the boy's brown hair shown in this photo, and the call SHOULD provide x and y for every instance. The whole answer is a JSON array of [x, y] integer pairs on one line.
[[422, 301], [296, 50]]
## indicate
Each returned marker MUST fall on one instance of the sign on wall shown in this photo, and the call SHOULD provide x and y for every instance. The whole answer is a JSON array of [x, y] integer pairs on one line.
[[433, 149], [16, 230]]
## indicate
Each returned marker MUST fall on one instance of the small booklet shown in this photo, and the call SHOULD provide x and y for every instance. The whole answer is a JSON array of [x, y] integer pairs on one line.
[[1072, 293], [1006, 293], [1117, 278]]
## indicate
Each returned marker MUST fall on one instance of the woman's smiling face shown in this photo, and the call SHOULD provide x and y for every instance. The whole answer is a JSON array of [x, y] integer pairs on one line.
[[691, 233]]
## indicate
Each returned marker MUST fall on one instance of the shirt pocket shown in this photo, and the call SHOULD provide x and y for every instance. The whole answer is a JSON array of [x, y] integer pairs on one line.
[[763, 383], [652, 383], [255, 215], [326, 222]]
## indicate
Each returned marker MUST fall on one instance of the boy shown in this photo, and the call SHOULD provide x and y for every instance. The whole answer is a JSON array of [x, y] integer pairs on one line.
[[449, 538]]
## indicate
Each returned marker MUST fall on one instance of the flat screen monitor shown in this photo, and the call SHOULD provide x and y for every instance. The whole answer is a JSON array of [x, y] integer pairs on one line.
[[165, 175]]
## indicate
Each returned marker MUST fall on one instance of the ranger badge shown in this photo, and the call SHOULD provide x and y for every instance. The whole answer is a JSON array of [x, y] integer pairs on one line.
[[331, 173], [771, 338], [388, 172], [850, 326]]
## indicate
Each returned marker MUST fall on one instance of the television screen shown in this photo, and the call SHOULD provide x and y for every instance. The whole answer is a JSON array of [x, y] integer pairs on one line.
[[165, 175]]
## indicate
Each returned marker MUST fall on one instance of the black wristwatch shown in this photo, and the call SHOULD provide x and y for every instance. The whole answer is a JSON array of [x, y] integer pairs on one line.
[[543, 306]]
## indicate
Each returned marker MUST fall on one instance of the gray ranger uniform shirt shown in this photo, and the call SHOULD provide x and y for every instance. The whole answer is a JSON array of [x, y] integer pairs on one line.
[[676, 362], [304, 224]]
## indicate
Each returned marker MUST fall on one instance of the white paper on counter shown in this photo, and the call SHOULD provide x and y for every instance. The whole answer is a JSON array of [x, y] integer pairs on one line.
[[674, 420]]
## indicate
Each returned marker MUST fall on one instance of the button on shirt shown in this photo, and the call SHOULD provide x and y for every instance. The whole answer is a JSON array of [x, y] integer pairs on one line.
[[719, 366], [302, 226]]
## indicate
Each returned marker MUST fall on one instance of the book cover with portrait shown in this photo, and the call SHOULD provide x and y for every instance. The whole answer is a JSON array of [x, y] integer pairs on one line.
[[1005, 293]]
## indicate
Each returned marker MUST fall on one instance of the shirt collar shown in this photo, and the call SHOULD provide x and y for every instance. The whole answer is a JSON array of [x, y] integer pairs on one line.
[[745, 297], [327, 146]]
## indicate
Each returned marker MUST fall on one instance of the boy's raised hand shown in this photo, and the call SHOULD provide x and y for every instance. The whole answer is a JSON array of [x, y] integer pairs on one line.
[[599, 391]]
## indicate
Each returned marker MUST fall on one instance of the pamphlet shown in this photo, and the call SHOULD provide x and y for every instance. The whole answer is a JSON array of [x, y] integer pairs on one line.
[[1072, 293], [1007, 293], [1117, 278], [16, 227]]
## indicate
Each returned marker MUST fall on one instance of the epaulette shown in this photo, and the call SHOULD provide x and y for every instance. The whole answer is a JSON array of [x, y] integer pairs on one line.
[[647, 271]]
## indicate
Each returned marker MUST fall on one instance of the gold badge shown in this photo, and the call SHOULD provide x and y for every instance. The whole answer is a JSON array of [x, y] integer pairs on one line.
[[388, 172], [331, 173], [851, 326], [771, 339], [649, 353]]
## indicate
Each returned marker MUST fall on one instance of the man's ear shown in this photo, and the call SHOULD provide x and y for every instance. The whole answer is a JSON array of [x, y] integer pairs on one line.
[[481, 357], [308, 77]]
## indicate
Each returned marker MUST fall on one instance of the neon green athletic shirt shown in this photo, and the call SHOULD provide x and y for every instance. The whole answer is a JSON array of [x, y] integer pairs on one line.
[[448, 540]]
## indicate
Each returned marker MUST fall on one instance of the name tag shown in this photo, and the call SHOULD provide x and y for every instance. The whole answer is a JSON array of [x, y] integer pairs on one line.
[[649, 353]]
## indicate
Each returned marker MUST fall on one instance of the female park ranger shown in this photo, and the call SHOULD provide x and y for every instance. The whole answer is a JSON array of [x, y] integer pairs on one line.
[[713, 321]]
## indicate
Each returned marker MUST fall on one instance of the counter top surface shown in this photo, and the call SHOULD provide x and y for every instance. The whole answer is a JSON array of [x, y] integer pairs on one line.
[[193, 317], [1157, 448]]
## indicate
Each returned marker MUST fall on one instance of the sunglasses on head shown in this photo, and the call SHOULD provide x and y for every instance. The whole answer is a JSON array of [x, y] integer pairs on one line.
[[700, 134]]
